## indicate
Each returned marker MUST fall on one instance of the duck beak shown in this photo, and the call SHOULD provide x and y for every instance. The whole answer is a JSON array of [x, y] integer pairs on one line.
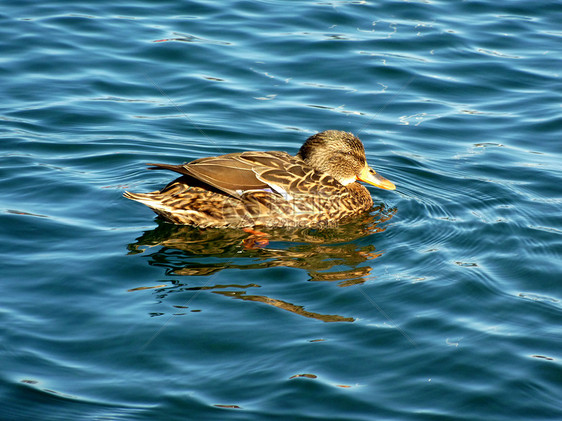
[[368, 175]]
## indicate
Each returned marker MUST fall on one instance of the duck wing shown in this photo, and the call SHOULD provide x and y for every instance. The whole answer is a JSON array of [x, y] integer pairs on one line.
[[240, 173]]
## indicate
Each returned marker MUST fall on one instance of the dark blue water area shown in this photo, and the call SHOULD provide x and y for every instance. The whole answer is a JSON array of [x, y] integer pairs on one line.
[[442, 303]]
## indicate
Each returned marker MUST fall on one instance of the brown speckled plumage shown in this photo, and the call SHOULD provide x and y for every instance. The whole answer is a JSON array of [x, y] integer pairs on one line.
[[316, 187]]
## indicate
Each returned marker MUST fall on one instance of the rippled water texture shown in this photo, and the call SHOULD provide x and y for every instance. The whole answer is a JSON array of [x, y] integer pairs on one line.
[[443, 303]]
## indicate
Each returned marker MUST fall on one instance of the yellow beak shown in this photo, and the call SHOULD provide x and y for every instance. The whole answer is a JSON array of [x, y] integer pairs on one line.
[[368, 175]]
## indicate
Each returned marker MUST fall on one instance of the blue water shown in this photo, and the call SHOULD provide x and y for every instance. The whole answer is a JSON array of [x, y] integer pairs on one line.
[[444, 303]]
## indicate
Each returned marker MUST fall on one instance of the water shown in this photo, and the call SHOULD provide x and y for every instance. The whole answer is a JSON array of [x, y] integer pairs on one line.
[[444, 303]]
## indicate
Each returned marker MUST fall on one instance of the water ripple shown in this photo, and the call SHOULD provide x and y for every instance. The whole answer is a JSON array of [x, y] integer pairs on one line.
[[445, 296]]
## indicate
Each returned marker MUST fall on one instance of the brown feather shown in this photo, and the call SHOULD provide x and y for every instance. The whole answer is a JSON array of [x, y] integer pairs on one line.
[[266, 188]]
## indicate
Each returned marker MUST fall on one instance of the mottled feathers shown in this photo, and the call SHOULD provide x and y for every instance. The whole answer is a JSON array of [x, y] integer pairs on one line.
[[264, 188]]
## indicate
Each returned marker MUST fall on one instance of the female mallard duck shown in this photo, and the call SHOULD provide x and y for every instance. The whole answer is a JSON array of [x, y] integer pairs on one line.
[[317, 187]]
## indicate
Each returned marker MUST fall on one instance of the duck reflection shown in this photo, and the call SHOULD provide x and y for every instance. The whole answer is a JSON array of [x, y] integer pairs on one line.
[[189, 251]]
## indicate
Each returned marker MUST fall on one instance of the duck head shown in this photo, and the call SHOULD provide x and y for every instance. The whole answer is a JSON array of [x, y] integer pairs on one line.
[[341, 155]]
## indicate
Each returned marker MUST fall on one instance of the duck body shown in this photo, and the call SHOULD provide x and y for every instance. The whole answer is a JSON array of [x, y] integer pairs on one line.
[[315, 188]]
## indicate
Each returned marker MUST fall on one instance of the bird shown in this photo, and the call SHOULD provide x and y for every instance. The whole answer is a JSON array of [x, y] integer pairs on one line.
[[318, 187]]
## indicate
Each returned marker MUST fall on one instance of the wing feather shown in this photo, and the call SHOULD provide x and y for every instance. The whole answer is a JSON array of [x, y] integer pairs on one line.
[[238, 173]]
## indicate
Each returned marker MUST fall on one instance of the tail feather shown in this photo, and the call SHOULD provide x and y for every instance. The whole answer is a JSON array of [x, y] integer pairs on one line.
[[129, 195], [162, 207], [176, 168], [146, 198]]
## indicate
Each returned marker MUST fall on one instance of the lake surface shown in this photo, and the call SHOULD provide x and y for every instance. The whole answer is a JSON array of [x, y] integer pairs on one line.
[[443, 303]]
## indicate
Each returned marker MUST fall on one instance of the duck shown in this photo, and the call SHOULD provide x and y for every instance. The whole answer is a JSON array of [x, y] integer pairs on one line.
[[318, 187]]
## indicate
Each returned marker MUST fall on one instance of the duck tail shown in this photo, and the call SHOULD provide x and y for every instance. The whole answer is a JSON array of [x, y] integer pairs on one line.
[[146, 198], [176, 168], [132, 196], [152, 200]]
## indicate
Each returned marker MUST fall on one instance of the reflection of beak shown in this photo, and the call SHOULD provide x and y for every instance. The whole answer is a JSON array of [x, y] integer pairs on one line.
[[368, 175]]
